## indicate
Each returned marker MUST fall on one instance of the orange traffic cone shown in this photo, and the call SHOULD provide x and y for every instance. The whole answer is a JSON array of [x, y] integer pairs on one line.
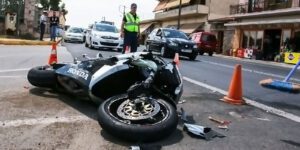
[[53, 55], [176, 59], [127, 49], [235, 91]]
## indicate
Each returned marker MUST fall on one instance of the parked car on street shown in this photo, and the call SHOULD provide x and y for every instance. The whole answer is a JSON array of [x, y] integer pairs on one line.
[[74, 34], [206, 42], [102, 35], [169, 41]]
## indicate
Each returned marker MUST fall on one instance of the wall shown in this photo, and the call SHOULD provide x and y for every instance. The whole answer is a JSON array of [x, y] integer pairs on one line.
[[218, 10], [196, 19], [227, 40], [2, 26], [30, 18]]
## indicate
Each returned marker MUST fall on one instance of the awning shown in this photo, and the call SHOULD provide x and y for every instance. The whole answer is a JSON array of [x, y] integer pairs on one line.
[[175, 3], [190, 28], [144, 27], [171, 26], [161, 5], [282, 21]]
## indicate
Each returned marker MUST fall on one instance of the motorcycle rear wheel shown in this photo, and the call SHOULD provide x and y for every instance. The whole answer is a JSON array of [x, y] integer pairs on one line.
[[42, 76], [137, 131]]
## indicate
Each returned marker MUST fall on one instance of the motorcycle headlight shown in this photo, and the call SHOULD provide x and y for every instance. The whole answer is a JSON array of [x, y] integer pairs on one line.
[[195, 46], [173, 43]]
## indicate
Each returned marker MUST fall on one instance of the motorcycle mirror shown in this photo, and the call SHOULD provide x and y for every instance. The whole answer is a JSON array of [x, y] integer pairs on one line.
[[75, 60], [99, 55], [84, 55]]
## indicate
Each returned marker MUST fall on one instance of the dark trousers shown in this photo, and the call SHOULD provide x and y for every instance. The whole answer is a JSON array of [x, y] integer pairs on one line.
[[131, 40], [42, 27]]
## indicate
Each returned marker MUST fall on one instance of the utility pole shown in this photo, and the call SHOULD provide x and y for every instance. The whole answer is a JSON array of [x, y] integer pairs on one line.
[[18, 17], [179, 14], [124, 9]]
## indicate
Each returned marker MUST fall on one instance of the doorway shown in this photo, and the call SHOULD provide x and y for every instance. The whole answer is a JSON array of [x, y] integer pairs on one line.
[[271, 46], [220, 41]]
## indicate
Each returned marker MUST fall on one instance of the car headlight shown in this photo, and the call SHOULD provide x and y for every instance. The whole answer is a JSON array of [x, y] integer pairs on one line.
[[173, 43], [195, 46]]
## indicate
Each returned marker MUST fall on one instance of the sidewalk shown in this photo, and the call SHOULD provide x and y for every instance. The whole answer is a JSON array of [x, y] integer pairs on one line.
[[256, 61], [4, 41]]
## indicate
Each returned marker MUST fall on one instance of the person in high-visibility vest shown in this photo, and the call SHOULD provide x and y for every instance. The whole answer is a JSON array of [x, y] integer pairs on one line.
[[130, 29]]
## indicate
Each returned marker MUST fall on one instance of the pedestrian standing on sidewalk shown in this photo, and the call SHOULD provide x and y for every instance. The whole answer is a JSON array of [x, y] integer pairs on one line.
[[43, 21], [54, 21], [130, 29]]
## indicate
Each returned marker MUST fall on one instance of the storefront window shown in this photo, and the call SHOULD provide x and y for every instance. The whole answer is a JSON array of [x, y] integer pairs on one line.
[[252, 39], [297, 41], [286, 35], [246, 35], [259, 39]]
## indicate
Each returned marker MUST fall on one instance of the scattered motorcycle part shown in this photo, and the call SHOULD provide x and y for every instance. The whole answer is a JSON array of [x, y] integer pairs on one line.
[[203, 132]]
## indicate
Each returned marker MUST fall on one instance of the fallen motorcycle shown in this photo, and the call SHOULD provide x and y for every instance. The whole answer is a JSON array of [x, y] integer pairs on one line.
[[138, 92]]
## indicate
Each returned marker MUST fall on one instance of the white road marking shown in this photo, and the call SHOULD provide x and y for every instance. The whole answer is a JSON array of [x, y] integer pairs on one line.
[[248, 101], [39, 121], [14, 70], [252, 71], [11, 76]]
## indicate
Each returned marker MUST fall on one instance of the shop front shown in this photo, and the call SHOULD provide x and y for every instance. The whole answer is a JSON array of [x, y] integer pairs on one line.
[[271, 44], [270, 38]]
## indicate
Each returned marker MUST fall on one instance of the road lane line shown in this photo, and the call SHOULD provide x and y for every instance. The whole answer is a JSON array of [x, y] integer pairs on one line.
[[252, 71], [248, 101], [11, 76], [44, 121], [14, 70]]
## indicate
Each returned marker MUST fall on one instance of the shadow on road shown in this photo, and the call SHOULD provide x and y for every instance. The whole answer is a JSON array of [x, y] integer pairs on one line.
[[291, 143], [174, 138], [87, 108]]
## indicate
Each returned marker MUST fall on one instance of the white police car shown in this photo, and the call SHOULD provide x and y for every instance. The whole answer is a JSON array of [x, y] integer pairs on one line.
[[102, 35]]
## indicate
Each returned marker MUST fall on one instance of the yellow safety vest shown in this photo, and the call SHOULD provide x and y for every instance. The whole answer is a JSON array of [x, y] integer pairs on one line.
[[132, 25]]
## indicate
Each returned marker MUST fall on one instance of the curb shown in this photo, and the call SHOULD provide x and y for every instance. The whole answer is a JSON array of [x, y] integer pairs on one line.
[[23, 42], [256, 61]]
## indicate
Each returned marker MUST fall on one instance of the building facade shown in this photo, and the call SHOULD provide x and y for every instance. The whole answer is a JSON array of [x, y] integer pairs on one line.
[[269, 27], [195, 15], [28, 19]]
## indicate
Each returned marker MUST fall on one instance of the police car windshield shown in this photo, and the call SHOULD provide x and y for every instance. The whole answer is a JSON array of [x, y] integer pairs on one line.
[[169, 33], [75, 30], [106, 28]]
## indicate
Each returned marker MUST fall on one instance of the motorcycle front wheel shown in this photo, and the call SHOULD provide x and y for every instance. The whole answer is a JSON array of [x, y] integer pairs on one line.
[[117, 118], [42, 76]]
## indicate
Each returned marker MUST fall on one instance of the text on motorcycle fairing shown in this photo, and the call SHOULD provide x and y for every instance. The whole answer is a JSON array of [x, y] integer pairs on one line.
[[79, 73]]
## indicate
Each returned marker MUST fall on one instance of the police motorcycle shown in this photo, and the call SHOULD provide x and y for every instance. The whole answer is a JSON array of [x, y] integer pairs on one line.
[[137, 92]]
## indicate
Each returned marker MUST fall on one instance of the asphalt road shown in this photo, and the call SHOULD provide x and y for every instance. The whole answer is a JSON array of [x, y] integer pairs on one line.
[[37, 118], [217, 72]]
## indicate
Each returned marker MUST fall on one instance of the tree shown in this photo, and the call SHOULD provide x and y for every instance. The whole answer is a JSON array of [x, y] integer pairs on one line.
[[12, 6], [63, 8], [45, 4], [54, 4]]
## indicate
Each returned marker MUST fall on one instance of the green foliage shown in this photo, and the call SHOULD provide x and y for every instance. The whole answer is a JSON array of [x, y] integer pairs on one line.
[[54, 4], [45, 4], [11, 6]]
